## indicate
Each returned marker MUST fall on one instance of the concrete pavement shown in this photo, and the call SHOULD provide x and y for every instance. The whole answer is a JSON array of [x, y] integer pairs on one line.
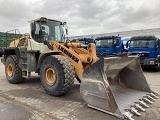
[[28, 101]]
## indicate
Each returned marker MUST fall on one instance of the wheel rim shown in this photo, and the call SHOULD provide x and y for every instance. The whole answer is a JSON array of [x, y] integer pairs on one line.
[[10, 70], [50, 76]]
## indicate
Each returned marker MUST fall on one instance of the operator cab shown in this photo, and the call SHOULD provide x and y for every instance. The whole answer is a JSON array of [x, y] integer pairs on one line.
[[44, 29]]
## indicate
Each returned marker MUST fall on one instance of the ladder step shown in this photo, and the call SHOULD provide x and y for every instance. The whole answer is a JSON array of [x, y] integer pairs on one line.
[[24, 74], [23, 54]]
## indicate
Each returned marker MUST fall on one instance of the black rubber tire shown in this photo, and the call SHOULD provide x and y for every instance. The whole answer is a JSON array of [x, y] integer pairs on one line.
[[17, 72], [64, 71]]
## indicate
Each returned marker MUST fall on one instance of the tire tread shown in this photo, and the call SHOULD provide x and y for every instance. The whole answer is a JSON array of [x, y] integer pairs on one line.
[[18, 75]]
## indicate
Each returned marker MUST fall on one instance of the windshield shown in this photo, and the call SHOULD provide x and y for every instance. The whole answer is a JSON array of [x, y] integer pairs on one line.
[[82, 41], [104, 43], [86, 41], [142, 43], [52, 30]]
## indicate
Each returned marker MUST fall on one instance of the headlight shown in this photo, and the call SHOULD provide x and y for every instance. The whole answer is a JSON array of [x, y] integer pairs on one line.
[[152, 62]]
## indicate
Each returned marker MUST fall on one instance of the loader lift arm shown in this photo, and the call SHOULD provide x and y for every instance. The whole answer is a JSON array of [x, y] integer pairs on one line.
[[78, 56]]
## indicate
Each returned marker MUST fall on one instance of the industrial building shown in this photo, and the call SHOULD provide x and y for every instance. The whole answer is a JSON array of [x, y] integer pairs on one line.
[[154, 31]]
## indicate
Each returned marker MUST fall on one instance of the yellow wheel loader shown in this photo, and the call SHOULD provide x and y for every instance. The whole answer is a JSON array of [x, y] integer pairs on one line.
[[115, 85]]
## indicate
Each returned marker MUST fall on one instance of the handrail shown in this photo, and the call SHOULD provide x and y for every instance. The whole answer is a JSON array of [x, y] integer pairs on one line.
[[15, 32]]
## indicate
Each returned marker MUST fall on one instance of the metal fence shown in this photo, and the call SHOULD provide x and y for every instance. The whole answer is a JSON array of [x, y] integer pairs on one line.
[[154, 31], [6, 38]]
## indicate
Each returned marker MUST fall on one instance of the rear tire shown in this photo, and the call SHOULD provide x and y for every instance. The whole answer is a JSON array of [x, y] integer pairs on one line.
[[56, 75], [12, 70]]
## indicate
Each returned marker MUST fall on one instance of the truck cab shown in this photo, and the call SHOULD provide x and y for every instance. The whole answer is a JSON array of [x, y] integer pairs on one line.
[[109, 46], [86, 41], [148, 50]]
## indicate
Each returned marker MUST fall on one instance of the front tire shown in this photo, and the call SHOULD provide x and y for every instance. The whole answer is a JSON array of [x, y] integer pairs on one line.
[[12, 70], [56, 75]]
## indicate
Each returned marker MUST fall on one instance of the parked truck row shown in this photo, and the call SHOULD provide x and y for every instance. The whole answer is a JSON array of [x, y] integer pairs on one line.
[[146, 47]]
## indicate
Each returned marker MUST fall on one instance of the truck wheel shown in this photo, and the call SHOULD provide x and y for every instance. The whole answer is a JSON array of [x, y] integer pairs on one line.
[[12, 70], [156, 68], [56, 75]]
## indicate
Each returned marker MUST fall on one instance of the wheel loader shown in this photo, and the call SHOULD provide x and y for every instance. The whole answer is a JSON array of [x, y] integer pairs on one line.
[[114, 85]]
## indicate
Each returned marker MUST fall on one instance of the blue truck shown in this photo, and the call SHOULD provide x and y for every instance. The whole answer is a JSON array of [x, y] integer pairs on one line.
[[109, 46], [86, 41], [147, 48]]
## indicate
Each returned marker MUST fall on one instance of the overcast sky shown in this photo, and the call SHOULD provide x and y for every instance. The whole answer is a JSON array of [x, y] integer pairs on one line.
[[82, 16]]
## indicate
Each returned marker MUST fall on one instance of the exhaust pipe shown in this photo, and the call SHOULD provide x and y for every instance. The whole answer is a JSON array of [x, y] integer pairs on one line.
[[117, 85]]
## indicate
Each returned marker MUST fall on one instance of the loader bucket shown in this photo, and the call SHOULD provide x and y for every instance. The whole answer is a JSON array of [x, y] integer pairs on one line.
[[117, 85]]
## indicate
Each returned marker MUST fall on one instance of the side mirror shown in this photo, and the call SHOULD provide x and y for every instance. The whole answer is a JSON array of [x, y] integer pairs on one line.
[[158, 43], [65, 28], [127, 44], [66, 31], [33, 29], [158, 58], [33, 26], [95, 41]]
